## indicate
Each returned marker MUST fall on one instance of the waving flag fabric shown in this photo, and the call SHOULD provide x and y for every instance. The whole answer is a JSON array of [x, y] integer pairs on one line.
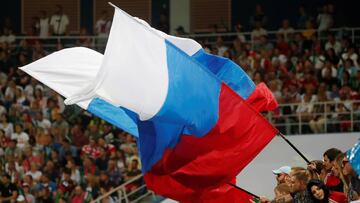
[[187, 108], [354, 157]]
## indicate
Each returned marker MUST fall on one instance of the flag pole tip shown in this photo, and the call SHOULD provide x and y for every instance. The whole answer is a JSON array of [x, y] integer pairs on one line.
[[111, 4]]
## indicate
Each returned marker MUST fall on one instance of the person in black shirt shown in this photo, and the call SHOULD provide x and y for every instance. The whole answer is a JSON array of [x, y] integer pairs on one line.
[[8, 190]]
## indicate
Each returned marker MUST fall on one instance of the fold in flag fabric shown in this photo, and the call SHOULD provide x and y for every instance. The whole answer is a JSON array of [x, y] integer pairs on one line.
[[353, 155], [195, 115]]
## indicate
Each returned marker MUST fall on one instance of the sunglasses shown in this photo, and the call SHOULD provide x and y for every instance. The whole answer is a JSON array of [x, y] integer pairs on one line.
[[344, 162]]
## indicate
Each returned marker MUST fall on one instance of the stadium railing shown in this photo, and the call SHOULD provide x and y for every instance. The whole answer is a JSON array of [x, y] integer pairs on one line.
[[123, 194], [99, 43], [331, 116]]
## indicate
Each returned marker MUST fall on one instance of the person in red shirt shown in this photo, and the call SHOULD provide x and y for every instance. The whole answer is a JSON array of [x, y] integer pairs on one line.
[[110, 149], [92, 149], [79, 195], [331, 181]]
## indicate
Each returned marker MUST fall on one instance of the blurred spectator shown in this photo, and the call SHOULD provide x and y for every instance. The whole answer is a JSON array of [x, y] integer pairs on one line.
[[6, 126], [8, 190], [79, 195], [354, 186], [286, 30], [29, 198], [44, 24], [350, 54], [324, 19], [114, 172], [303, 18], [331, 181], [20, 136], [59, 22], [298, 185], [84, 40], [221, 48], [333, 43], [257, 33], [259, 17], [282, 193]]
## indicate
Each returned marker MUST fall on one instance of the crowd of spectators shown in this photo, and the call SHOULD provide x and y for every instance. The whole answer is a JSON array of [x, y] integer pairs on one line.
[[308, 64], [50, 152], [330, 180], [53, 153]]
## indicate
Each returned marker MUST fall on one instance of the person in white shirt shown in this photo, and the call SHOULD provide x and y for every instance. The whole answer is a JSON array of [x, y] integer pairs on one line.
[[333, 43], [20, 136], [102, 29], [324, 19], [286, 30], [34, 172], [44, 24], [41, 122], [59, 22]]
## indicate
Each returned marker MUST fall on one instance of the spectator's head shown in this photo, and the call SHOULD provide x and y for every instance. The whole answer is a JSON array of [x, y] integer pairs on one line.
[[18, 128], [347, 168], [39, 116], [65, 143], [54, 154], [337, 169], [258, 9], [2, 133], [4, 118], [349, 63], [318, 191], [331, 37], [70, 164], [33, 166], [28, 179], [101, 142], [45, 178], [329, 157], [58, 9], [6, 179], [134, 164], [104, 14], [286, 23], [92, 142], [281, 190], [317, 170], [282, 174], [43, 14], [78, 191], [257, 24], [38, 92], [26, 188], [67, 174], [104, 177], [298, 181], [111, 164]]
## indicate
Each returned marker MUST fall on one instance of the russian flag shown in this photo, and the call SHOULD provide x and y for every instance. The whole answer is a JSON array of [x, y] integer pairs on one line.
[[195, 115]]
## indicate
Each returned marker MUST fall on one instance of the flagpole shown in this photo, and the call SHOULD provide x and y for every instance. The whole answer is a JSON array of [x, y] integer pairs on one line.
[[239, 188], [301, 154]]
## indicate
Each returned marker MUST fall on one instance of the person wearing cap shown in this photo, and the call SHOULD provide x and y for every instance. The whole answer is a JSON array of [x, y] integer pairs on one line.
[[28, 196], [282, 174]]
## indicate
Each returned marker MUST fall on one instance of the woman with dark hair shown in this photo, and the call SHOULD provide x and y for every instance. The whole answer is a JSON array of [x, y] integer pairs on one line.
[[321, 194]]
